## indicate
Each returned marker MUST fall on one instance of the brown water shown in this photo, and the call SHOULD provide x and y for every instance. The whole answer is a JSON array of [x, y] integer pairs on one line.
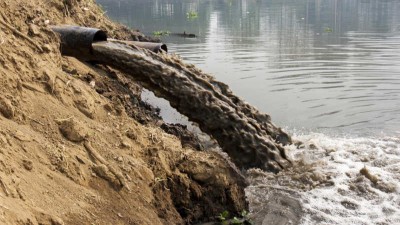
[[248, 136], [322, 65]]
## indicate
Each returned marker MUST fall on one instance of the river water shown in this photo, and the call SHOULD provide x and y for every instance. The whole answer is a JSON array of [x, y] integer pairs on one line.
[[328, 71]]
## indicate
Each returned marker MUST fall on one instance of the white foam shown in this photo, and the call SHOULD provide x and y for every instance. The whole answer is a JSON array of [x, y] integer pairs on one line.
[[353, 199]]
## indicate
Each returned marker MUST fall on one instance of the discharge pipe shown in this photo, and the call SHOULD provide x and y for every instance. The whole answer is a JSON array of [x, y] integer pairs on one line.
[[77, 41]]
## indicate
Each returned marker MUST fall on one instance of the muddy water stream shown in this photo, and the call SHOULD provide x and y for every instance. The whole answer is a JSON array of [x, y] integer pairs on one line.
[[328, 70], [248, 136]]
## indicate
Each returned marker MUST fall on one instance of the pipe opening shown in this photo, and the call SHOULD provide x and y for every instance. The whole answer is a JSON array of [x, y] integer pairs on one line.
[[164, 47], [100, 36]]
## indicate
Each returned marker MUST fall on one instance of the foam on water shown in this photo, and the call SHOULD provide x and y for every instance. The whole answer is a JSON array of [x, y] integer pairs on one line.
[[327, 181]]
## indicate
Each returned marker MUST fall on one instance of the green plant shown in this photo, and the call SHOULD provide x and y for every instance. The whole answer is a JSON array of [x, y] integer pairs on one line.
[[328, 30], [236, 221], [244, 214], [159, 33], [191, 15], [223, 216], [243, 219]]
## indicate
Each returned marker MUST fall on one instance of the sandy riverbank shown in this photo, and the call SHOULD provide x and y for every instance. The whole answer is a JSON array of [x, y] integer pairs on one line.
[[77, 144]]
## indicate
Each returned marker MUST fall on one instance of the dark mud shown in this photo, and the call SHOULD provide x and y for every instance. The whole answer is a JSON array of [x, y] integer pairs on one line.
[[248, 136], [126, 94], [188, 139]]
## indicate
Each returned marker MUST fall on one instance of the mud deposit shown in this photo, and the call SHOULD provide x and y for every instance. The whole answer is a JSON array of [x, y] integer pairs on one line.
[[248, 136], [77, 144]]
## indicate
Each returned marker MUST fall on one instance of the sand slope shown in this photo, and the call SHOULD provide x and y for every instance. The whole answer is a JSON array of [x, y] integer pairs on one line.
[[73, 145]]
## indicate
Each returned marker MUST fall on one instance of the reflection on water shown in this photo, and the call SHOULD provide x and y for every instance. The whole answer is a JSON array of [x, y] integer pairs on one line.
[[319, 65], [312, 64]]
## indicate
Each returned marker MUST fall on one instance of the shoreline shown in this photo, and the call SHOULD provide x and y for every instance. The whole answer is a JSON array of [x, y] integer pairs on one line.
[[133, 173]]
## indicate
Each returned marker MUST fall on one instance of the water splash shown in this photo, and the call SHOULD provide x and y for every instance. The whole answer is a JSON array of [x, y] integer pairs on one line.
[[330, 185]]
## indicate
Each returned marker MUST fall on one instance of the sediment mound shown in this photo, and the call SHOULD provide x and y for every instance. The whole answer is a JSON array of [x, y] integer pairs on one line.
[[77, 145]]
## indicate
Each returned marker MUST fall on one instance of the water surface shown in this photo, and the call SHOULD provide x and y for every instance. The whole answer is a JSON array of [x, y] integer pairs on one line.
[[320, 65], [328, 70]]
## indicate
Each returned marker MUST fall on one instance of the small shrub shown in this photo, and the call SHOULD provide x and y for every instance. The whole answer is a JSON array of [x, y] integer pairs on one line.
[[191, 15], [160, 33]]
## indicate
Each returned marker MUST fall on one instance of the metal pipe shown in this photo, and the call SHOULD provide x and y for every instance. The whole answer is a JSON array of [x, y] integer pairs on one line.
[[152, 46], [77, 41]]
